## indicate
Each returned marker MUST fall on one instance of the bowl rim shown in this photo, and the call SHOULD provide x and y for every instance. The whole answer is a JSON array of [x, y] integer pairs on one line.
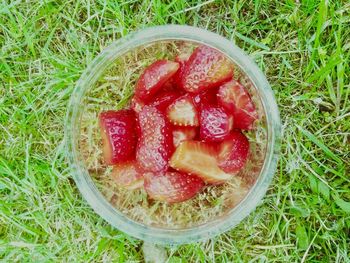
[[95, 198]]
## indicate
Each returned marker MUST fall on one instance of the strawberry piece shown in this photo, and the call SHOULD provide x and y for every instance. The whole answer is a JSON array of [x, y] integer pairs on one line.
[[118, 135], [205, 98], [233, 152], [198, 158], [181, 59], [155, 144], [215, 124], [153, 78], [206, 68], [163, 99], [182, 112], [235, 98], [126, 175], [172, 187], [181, 134]]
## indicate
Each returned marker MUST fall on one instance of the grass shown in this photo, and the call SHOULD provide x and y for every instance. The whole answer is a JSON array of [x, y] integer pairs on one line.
[[302, 46]]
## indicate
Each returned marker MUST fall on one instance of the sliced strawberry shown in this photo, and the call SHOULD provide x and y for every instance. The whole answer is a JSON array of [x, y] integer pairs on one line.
[[206, 68], [182, 112], [172, 187], [118, 135], [198, 158], [233, 152], [215, 124], [164, 98], [235, 98], [126, 175], [155, 145], [205, 98], [136, 104], [181, 59], [181, 134], [153, 78]]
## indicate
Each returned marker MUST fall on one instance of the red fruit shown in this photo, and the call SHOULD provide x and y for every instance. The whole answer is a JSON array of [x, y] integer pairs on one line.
[[181, 59], [153, 78], [118, 135], [206, 68], [198, 158], [163, 99], [155, 144], [182, 112], [215, 124], [235, 98], [136, 104], [126, 175], [233, 152], [181, 134], [172, 187]]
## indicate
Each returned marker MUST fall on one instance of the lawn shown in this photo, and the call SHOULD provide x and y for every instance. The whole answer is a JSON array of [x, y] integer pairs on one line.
[[303, 47]]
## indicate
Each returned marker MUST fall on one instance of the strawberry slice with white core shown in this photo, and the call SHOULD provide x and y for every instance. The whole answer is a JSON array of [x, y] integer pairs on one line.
[[215, 123], [181, 134], [126, 175], [183, 112], [172, 187], [235, 98], [198, 158], [233, 152], [153, 78]]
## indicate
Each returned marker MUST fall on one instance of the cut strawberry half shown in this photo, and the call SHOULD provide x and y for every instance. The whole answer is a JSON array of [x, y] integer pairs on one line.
[[233, 152], [198, 158], [118, 135], [182, 112], [181, 134], [126, 175], [172, 187], [235, 98], [215, 124], [181, 59], [155, 144], [206, 68], [205, 98], [164, 98], [153, 78]]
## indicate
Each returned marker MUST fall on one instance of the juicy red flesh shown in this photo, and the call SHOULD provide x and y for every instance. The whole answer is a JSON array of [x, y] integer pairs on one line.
[[235, 98], [181, 59], [233, 152], [205, 98], [206, 68], [215, 124], [172, 187], [163, 99], [153, 78], [118, 135], [155, 144]]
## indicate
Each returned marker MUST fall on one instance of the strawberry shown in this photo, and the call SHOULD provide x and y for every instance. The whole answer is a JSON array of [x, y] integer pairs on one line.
[[206, 68], [181, 59], [235, 98], [118, 135], [163, 99], [155, 145], [153, 78], [205, 98], [198, 158], [126, 175], [215, 123], [181, 134], [172, 187], [182, 112], [233, 152]]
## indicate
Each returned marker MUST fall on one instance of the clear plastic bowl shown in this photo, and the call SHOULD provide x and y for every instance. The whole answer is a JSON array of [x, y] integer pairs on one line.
[[119, 64]]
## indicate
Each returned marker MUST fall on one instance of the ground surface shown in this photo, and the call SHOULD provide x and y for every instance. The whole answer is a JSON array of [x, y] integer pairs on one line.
[[304, 50]]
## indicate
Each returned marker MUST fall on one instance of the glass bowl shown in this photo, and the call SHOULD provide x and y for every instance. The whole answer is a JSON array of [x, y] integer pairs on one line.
[[108, 84]]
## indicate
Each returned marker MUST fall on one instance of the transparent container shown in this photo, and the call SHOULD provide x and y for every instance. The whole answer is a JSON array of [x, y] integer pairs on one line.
[[108, 84]]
